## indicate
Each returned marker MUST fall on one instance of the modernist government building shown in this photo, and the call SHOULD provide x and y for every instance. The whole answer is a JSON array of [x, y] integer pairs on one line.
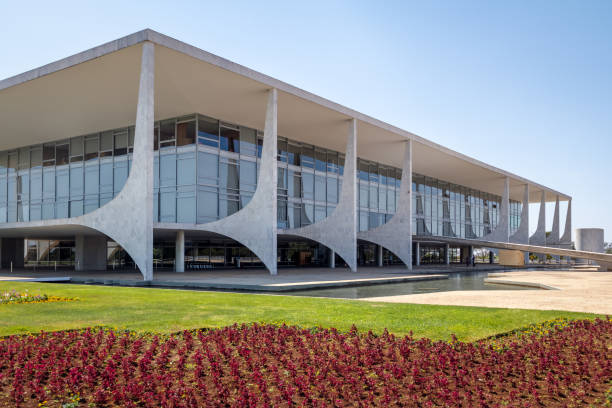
[[148, 153]]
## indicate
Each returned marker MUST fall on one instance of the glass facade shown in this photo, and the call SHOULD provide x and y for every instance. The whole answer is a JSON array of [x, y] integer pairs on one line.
[[206, 169], [378, 193], [66, 178], [444, 209]]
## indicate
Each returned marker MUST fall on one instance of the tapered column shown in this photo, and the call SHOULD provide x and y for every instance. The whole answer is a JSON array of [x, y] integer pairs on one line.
[[255, 225], [338, 231], [396, 234], [179, 253], [566, 239], [500, 234], [539, 236], [418, 254], [521, 236], [379, 255], [332, 259], [553, 238]]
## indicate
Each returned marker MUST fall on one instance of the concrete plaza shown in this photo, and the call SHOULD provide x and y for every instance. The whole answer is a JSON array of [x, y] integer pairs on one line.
[[571, 290]]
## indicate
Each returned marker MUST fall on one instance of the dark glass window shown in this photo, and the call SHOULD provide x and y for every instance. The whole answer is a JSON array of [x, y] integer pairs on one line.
[[293, 154], [91, 148], [49, 154], [320, 160], [230, 139], [208, 131], [185, 133], [363, 170], [76, 149], [166, 132], [121, 144], [36, 158], [61, 154], [106, 144], [307, 157]]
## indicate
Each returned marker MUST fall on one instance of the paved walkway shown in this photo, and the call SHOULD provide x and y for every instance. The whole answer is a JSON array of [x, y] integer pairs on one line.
[[576, 291]]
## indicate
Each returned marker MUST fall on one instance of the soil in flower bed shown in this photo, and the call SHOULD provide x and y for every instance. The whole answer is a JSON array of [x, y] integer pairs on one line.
[[277, 366]]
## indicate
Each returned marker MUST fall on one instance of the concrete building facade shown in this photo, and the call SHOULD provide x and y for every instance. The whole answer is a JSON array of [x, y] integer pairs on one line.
[[147, 152]]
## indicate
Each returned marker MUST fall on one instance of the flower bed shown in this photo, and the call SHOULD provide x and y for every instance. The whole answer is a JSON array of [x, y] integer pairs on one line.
[[16, 297], [259, 365]]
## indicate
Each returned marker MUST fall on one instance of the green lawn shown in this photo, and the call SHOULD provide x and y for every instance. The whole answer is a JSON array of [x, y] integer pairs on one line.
[[166, 310]]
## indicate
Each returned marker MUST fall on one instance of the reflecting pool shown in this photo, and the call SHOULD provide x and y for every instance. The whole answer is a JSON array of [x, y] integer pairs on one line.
[[455, 281]]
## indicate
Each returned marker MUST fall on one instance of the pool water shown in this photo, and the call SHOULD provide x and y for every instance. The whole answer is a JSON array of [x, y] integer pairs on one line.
[[455, 281]]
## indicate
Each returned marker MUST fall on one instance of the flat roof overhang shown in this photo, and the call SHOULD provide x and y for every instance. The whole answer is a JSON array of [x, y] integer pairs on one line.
[[97, 90]]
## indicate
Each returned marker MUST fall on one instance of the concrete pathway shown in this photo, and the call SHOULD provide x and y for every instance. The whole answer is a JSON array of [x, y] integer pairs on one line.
[[576, 291]]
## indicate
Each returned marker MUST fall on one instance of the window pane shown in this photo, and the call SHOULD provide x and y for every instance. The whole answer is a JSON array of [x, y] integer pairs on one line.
[[332, 190], [208, 168], [166, 131], [307, 157], [363, 195], [293, 154], [167, 206], [121, 143], [230, 140], [320, 187], [321, 160], [92, 175], [76, 146], [61, 154], [207, 206], [49, 152], [186, 169], [186, 207], [248, 141], [248, 175], [167, 170], [208, 131], [91, 148], [228, 175], [185, 134], [308, 186], [295, 184]]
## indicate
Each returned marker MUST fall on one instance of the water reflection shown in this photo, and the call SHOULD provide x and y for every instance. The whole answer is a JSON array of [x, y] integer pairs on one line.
[[455, 281]]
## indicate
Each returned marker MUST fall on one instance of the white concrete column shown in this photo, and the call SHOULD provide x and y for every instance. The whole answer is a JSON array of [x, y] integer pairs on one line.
[[521, 236], [539, 236], [501, 232], [332, 258], [338, 231], [396, 234], [418, 254], [255, 225], [447, 254], [179, 255], [566, 239], [379, 255], [553, 238]]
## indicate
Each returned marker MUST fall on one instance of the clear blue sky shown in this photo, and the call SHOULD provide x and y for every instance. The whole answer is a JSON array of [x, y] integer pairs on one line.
[[523, 85]]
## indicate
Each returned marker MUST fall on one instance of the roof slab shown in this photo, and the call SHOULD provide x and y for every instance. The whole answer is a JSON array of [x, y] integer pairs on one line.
[[97, 90]]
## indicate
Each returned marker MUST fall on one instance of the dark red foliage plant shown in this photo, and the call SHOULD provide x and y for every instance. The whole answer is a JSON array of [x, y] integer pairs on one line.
[[279, 366]]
